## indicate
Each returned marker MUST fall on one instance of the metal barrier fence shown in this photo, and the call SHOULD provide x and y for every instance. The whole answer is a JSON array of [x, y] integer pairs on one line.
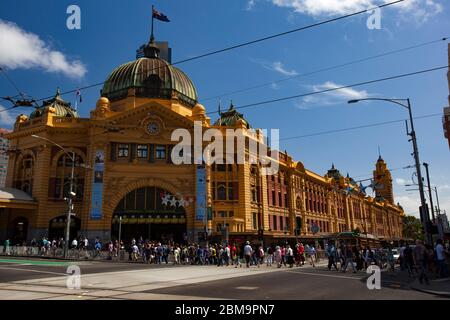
[[81, 254], [75, 254]]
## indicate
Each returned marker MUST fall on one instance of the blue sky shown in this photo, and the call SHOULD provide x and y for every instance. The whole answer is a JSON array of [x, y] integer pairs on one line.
[[112, 30]]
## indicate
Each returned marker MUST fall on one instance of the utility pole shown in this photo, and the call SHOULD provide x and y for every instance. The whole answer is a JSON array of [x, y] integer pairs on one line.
[[429, 191], [70, 202], [424, 207], [424, 217]]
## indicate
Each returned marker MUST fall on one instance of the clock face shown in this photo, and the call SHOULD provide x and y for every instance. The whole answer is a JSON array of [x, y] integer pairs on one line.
[[153, 128]]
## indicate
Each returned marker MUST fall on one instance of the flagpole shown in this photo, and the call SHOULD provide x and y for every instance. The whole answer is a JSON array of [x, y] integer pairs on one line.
[[152, 38]]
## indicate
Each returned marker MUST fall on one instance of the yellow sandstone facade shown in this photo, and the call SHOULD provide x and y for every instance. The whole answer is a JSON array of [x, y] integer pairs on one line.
[[124, 174]]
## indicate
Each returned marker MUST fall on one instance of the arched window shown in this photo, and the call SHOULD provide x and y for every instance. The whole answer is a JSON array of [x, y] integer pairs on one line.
[[298, 203], [24, 176], [221, 192], [59, 184]]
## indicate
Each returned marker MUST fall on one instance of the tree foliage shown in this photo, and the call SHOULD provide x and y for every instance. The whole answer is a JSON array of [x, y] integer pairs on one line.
[[412, 228]]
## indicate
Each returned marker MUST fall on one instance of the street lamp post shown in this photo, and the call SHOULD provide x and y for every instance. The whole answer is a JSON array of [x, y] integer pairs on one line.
[[71, 192], [423, 208]]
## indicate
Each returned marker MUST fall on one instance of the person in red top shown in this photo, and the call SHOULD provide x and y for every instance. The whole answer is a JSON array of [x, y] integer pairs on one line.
[[301, 254], [234, 257]]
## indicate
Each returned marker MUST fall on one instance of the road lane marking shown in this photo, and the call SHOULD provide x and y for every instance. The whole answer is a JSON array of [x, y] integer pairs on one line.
[[323, 275], [35, 262], [36, 271]]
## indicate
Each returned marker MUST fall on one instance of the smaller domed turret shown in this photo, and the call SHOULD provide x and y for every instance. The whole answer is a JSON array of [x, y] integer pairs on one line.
[[56, 105]]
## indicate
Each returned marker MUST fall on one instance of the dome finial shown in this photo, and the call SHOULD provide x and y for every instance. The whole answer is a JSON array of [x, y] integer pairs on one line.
[[151, 50]]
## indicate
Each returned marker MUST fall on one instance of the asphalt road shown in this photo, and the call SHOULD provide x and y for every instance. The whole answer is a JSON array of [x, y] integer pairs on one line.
[[285, 283], [297, 284]]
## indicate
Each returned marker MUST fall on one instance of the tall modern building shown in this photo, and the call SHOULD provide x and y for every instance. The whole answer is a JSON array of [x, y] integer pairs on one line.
[[126, 175], [4, 146]]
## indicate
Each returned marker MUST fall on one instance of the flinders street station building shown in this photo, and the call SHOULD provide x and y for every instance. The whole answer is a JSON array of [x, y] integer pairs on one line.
[[124, 176]]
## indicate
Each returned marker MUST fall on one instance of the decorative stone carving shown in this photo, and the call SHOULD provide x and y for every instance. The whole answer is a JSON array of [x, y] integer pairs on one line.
[[21, 118], [102, 107]]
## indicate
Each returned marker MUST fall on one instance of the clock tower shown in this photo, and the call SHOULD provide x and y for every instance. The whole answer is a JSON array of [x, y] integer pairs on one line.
[[383, 181]]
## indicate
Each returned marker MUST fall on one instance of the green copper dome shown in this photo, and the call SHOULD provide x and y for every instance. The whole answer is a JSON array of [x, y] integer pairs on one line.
[[150, 77], [62, 108]]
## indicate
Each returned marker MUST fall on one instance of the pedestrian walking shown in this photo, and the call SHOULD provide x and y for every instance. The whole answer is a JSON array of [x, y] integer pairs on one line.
[[331, 254], [289, 256], [269, 259], [421, 259], [248, 252], [348, 252], [277, 256], [312, 256], [441, 253], [6, 248], [409, 260]]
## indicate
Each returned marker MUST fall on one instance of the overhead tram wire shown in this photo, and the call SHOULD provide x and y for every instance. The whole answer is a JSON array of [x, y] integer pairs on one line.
[[10, 81], [265, 102], [340, 88], [244, 44], [262, 85], [376, 124], [18, 103]]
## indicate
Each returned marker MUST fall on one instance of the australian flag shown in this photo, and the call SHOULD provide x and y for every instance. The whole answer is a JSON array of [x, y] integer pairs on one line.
[[158, 15]]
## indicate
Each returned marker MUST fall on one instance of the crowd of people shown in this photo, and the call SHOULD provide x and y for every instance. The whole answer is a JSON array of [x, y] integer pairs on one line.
[[417, 259], [216, 254]]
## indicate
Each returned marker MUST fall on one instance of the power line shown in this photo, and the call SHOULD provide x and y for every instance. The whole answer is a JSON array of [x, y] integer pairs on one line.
[[11, 81], [377, 124], [248, 43], [327, 69], [337, 88]]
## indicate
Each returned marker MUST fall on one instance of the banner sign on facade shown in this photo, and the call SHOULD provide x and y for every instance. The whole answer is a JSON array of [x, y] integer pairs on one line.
[[200, 208], [97, 185]]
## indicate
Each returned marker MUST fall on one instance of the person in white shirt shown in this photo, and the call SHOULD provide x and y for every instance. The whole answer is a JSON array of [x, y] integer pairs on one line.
[[74, 243], [440, 257], [290, 256], [248, 251]]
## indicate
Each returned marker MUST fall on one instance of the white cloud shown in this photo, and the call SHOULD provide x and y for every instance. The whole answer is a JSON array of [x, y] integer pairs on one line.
[[410, 204], [279, 67], [410, 201], [22, 49], [420, 10], [330, 97], [346, 93], [5, 117], [250, 5], [423, 9], [400, 181]]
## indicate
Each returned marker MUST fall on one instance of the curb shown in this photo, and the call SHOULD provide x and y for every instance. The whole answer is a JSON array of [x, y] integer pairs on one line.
[[445, 294]]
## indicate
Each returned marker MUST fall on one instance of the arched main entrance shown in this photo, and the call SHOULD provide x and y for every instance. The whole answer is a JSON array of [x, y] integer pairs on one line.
[[151, 213]]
